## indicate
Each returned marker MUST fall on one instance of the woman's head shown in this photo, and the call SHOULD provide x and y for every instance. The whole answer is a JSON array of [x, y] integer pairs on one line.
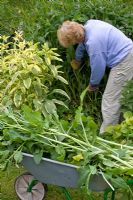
[[70, 33]]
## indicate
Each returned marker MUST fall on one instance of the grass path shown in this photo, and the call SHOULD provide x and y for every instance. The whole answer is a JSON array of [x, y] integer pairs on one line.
[[7, 191]]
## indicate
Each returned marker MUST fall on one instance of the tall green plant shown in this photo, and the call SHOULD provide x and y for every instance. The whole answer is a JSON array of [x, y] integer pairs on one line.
[[27, 71]]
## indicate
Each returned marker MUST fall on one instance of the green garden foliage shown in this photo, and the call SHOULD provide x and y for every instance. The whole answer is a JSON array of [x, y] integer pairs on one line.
[[31, 81], [40, 19], [127, 97], [74, 141], [122, 132]]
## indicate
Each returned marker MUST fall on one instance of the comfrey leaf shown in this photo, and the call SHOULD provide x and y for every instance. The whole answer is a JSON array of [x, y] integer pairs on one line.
[[85, 174], [108, 163], [78, 157], [3, 166], [117, 181], [18, 156], [32, 117], [38, 156]]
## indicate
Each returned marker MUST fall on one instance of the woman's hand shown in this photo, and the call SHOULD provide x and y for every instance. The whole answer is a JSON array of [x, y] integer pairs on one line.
[[75, 64], [92, 88]]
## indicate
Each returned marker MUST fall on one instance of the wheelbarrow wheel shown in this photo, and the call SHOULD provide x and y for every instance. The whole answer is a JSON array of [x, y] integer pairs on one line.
[[28, 188]]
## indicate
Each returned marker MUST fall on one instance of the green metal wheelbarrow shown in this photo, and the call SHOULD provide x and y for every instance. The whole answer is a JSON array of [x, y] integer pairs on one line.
[[33, 184]]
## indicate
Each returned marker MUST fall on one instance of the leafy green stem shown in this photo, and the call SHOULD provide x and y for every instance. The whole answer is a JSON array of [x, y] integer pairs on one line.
[[114, 143], [62, 143]]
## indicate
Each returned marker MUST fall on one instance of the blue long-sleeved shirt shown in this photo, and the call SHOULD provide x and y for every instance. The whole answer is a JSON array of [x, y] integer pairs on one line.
[[105, 45]]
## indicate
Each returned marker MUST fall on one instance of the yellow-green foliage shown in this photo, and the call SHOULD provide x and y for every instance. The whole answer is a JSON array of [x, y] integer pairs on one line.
[[27, 70]]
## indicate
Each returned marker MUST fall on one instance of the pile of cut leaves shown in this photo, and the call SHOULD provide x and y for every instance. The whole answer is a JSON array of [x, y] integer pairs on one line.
[[73, 142]]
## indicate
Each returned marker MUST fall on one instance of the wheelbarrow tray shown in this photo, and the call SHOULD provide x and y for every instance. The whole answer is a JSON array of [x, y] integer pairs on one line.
[[57, 173]]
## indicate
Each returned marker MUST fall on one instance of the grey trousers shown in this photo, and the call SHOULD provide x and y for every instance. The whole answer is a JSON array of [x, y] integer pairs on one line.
[[110, 100]]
